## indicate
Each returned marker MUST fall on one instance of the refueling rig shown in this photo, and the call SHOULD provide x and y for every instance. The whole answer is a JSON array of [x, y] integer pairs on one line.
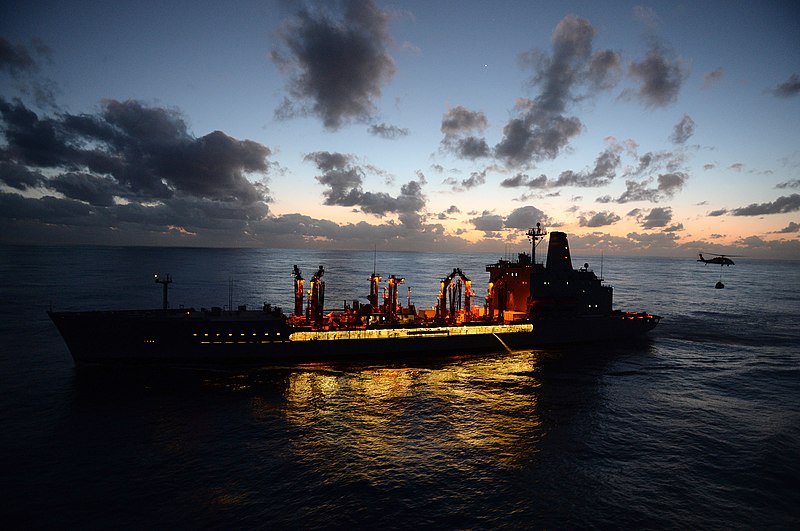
[[383, 307]]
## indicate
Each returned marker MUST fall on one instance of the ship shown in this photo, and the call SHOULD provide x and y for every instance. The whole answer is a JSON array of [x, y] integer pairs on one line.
[[527, 305]]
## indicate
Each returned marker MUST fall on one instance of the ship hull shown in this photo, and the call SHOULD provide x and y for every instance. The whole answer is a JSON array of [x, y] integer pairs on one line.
[[252, 337]]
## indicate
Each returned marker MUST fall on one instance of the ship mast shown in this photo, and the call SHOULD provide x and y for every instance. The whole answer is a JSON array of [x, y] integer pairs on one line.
[[534, 235], [165, 282]]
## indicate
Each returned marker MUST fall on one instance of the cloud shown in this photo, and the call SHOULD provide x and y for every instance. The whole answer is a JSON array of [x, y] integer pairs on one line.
[[668, 185], [475, 178], [447, 214], [522, 179], [459, 120], [458, 124], [683, 130], [336, 66], [792, 227], [657, 217], [520, 218], [792, 183], [525, 217], [660, 78], [19, 177], [488, 222], [789, 88], [344, 180], [603, 172], [127, 165], [781, 205], [15, 58], [389, 132], [540, 129], [651, 162], [605, 69], [23, 63], [147, 151], [710, 78], [533, 137], [86, 187], [598, 219]]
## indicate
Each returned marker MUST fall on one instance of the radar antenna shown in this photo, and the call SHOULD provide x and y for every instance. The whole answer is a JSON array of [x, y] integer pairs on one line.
[[534, 235]]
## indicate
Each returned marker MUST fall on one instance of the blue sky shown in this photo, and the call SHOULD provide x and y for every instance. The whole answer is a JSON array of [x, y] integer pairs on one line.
[[639, 128]]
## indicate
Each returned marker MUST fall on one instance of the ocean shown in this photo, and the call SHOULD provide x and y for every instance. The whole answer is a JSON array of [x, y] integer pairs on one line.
[[696, 426]]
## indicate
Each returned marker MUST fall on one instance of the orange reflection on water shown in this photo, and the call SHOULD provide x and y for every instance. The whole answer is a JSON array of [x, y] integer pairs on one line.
[[384, 419]]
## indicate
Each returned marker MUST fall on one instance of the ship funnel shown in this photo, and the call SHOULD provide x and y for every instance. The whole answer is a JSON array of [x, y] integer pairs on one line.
[[558, 258]]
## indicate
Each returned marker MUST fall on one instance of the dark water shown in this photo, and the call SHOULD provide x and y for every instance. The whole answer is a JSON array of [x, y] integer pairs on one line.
[[696, 427]]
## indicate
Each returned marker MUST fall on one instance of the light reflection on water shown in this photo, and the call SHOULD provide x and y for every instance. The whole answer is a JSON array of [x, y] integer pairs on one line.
[[404, 416]]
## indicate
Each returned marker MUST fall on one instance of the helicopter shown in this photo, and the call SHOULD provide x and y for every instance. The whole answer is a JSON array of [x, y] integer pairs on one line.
[[720, 259]]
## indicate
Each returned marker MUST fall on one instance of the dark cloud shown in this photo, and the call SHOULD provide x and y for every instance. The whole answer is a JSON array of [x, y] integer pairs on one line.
[[648, 242], [683, 130], [533, 137], [389, 132], [558, 74], [337, 63], [605, 69], [130, 167], [19, 177], [471, 147], [603, 173], [789, 88], [15, 58], [526, 217], [146, 150], [522, 179], [791, 228], [540, 128], [657, 217], [598, 219], [459, 120], [86, 187], [458, 124], [344, 180], [652, 162], [736, 166], [23, 63], [488, 222], [781, 205], [521, 218], [47, 209], [668, 185], [792, 183], [717, 213], [475, 178], [660, 76]]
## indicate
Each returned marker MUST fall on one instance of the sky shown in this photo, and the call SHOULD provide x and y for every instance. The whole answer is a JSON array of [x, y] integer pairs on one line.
[[639, 128]]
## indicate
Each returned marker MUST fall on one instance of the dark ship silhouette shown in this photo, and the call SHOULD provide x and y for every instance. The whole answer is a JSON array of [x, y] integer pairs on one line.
[[527, 305]]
